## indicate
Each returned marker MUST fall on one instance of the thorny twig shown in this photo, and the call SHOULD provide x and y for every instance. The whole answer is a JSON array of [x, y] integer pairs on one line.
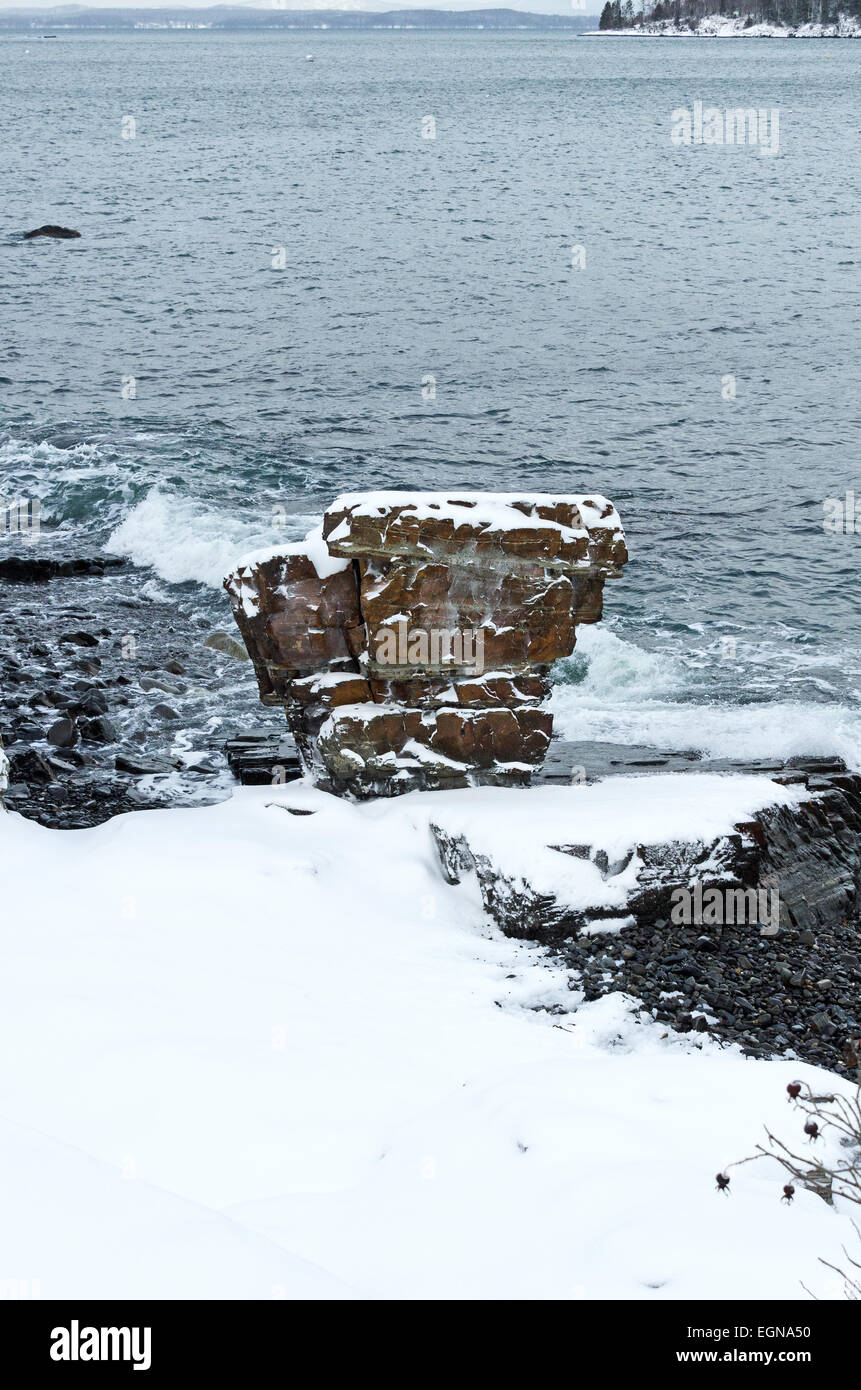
[[841, 1178]]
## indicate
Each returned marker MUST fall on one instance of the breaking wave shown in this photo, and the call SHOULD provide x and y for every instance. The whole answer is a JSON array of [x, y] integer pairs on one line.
[[184, 540], [615, 691]]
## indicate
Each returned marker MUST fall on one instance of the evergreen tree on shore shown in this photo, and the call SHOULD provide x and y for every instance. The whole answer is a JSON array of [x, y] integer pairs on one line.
[[788, 12]]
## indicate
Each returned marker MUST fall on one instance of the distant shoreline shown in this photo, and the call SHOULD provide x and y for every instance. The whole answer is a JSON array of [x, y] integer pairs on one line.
[[720, 27], [31, 23], [687, 34]]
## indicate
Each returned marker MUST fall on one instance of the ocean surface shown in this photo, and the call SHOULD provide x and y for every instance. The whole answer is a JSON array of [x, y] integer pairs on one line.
[[284, 290]]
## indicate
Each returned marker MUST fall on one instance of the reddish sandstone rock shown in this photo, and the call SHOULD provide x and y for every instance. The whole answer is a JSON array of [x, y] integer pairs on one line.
[[409, 640], [392, 747], [331, 688], [521, 616], [483, 737], [564, 530], [293, 620], [431, 692]]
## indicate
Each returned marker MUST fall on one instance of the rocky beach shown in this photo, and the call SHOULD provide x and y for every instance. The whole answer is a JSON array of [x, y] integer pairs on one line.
[[108, 716]]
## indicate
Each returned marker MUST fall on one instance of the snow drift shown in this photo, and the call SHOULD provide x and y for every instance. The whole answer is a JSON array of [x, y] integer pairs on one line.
[[264, 1050]]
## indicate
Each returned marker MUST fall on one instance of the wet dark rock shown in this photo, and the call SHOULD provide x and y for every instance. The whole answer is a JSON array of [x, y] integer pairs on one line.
[[29, 733], [65, 700], [261, 758], [203, 766], [99, 730], [27, 569], [63, 733], [28, 765], [227, 645], [67, 760], [42, 680], [142, 766], [149, 683], [92, 702], [80, 639], [165, 712], [50, 230]]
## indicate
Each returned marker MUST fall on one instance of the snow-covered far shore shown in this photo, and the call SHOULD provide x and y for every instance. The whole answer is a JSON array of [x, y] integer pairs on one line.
[[720, 26], [263, 1049]]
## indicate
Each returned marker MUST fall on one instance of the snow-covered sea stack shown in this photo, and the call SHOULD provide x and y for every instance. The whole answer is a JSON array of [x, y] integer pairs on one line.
[[410, 638]]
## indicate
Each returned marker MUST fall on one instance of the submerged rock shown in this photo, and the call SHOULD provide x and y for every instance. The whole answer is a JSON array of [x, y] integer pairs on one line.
[[223, 642], [61, 233], [165, 711]]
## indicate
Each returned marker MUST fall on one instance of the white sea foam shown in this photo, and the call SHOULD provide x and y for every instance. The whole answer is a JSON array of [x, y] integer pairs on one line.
[[183, 539], [44, 471], [632, 696]]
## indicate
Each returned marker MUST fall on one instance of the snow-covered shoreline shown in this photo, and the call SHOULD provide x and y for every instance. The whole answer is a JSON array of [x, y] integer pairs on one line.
[[263, 1049], [719, 26]]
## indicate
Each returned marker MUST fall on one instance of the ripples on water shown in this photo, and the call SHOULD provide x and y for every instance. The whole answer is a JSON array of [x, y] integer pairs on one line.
[[262, 392]]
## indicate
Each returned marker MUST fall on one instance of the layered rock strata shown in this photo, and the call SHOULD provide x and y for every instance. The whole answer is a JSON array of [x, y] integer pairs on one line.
[[809, 850], [787, 978], [410, 638]]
